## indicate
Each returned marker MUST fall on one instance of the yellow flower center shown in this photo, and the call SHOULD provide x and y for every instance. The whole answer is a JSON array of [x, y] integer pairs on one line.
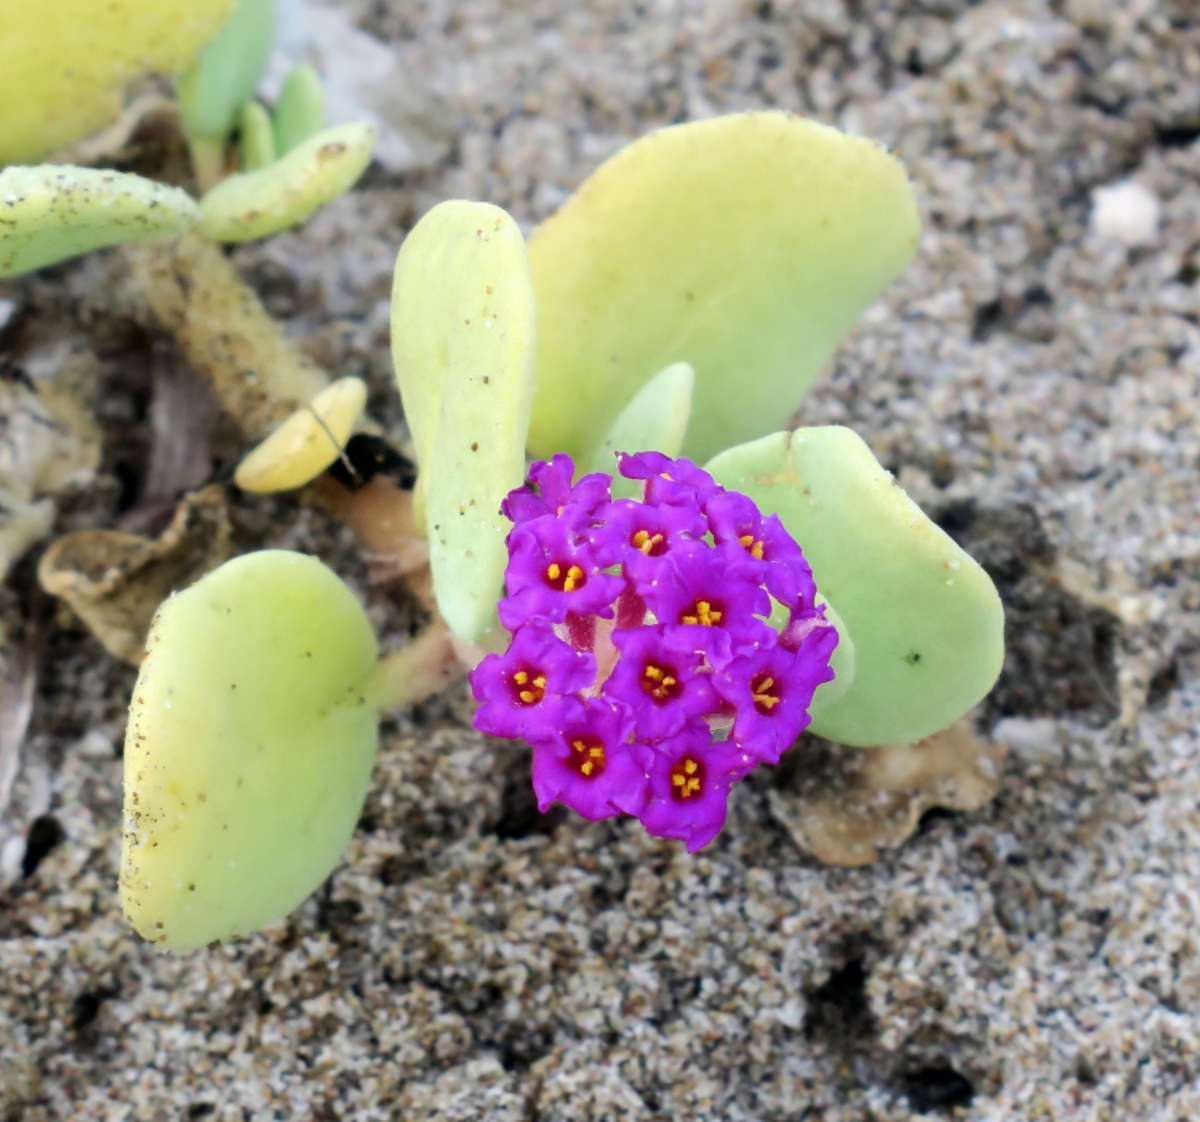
[[687, 778], [588, 757], [755, 549], [761, 690], [649, 544], [531, 686], [660, 682], [701, 612], [565, 578]]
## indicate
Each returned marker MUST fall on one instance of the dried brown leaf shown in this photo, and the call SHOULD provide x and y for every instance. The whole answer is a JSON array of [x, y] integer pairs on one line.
[[847, 804], [114, 581], [18, 667], [49, 440], [381, 515]]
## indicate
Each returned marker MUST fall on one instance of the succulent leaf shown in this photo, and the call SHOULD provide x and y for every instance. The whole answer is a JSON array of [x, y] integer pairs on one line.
[[212, 92], [842, 661], [463, 344], [306, 443], [285, 193], [249, 749], [300, 109], [927, 624], [51, 212], [655, 420], [64, 65], [257, 143], [745, 245]]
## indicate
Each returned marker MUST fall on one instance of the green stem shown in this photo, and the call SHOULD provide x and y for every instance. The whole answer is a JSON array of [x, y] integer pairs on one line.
[[208, 160]]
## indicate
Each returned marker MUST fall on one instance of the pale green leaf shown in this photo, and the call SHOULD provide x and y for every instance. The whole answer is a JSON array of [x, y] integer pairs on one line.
[[927, 624], [300, 110], [462, 344], [212, 92], [257, 203], [53, 212], [745, 245], [248, 751], [257, 140], [64, 64], [655, 420]]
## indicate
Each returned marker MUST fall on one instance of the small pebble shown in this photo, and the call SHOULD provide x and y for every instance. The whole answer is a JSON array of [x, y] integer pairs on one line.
[[1127, 213]]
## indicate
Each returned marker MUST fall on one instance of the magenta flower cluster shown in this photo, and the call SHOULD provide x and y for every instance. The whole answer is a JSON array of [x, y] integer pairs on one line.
[[643, 668]]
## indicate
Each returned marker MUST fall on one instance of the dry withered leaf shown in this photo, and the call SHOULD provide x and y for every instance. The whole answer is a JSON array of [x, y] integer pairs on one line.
[[18, 675], [381, 515], [426, 666], [183, 414], [112, 143], [848, 803], [114, 581], [21, 525], [49, 440], [183, 411], [18, 679]]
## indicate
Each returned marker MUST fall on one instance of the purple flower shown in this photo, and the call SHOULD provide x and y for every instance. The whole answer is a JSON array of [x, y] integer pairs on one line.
[[689, 782], [548, 491], [661, 684], [778, 560], [526, 691], [710, 594], [551, 573], [676, 644], [669, 481], [771, 691], [801, 625], [590, 764], [636, 532]]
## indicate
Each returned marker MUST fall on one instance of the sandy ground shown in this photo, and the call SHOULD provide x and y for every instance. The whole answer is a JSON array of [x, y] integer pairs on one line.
[[1035, 385]]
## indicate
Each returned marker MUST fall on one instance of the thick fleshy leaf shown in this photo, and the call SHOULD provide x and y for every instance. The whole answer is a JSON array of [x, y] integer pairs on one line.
[[64, 64], [463, 344], [842, 661], [300, 110], [212, 92], [257, 203], [52, 212], [305, 444], [655, 420], [927, 624], [745, 245], [249, 749], [256, 137]]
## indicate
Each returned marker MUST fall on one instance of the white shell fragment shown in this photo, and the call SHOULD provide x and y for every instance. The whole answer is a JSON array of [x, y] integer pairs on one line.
[[1126, 213], [306, 443]]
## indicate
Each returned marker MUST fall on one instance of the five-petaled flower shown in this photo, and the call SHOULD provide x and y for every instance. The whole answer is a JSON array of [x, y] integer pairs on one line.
[[638, 629]]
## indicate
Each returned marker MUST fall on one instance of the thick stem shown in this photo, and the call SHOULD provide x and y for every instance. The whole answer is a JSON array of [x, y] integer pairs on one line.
[[208, 161], [224, 331], [424, 667]]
